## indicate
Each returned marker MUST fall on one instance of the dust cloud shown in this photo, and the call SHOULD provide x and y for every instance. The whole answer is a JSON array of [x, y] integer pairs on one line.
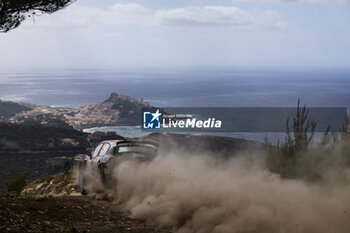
[[196, 193]]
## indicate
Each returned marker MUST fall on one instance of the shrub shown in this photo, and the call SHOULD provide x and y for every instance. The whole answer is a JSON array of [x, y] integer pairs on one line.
[[295, 158], [16, 185], [283, 157]]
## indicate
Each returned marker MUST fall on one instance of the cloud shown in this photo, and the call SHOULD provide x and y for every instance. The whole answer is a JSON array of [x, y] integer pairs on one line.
[[220, 16], [205, 16], [131, 13], [77, 16], [85, 17]]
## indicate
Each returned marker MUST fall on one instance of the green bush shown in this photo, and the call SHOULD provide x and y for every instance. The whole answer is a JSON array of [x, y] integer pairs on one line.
[[283, 157], [295, 157], [16, 185]]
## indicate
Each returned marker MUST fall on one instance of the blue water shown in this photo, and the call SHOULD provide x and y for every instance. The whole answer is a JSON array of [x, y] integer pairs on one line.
[[182, 88], [225, 88]]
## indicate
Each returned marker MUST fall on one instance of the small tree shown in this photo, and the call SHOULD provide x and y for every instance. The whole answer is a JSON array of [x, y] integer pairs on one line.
[[13, 12], [345, 139], [283, 157], [345, 129], [303, 131], [295, 158], [16, 185]]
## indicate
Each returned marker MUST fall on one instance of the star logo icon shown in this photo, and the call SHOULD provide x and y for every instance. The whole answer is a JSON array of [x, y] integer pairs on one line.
[[156, 115], [151, 119]]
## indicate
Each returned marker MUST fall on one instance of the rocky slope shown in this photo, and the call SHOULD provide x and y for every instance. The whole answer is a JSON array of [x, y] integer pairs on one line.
[[53, 204], [116, 110], [66, 214]]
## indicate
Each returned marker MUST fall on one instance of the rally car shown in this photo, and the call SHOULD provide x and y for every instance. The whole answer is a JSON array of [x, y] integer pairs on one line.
[[104, 157]]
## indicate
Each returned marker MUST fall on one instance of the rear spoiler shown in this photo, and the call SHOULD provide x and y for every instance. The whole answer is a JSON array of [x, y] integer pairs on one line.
[[146, 141]]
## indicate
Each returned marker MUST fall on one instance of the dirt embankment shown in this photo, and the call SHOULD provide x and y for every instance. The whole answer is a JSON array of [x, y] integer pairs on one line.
[[66, 214], [53, 204]]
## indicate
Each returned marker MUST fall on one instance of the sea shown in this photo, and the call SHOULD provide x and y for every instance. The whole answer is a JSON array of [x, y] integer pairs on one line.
[[200, 87]]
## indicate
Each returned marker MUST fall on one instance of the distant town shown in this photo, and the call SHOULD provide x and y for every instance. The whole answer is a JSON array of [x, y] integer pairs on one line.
[[117, 110]]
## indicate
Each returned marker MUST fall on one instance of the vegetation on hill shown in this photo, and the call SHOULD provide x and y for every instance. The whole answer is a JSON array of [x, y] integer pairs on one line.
[[37, 137], [37, 149], [9, 109], [16, 185], [299, 157]]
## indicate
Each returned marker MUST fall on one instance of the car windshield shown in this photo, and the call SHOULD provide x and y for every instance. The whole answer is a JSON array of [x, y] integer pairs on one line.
[[136, 149]]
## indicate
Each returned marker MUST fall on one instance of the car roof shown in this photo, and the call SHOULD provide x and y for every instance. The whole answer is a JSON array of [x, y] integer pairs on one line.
[[115, 142], [112, 142]]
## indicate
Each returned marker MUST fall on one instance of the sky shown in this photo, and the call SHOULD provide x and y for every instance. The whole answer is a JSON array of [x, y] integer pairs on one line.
[[112, 34]]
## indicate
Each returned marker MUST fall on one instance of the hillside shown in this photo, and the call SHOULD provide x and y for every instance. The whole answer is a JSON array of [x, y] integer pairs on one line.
[[37, 150], [55, 204], [37, 137], [9, 109], [117, 110]]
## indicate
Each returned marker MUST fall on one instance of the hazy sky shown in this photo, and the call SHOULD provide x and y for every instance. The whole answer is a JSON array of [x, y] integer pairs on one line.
[[183, 33]]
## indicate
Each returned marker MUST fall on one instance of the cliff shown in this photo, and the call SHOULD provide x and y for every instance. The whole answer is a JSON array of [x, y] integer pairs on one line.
[[116, 110]]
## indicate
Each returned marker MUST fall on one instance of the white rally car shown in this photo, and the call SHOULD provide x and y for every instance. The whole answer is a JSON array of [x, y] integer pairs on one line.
[[108, 153]]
